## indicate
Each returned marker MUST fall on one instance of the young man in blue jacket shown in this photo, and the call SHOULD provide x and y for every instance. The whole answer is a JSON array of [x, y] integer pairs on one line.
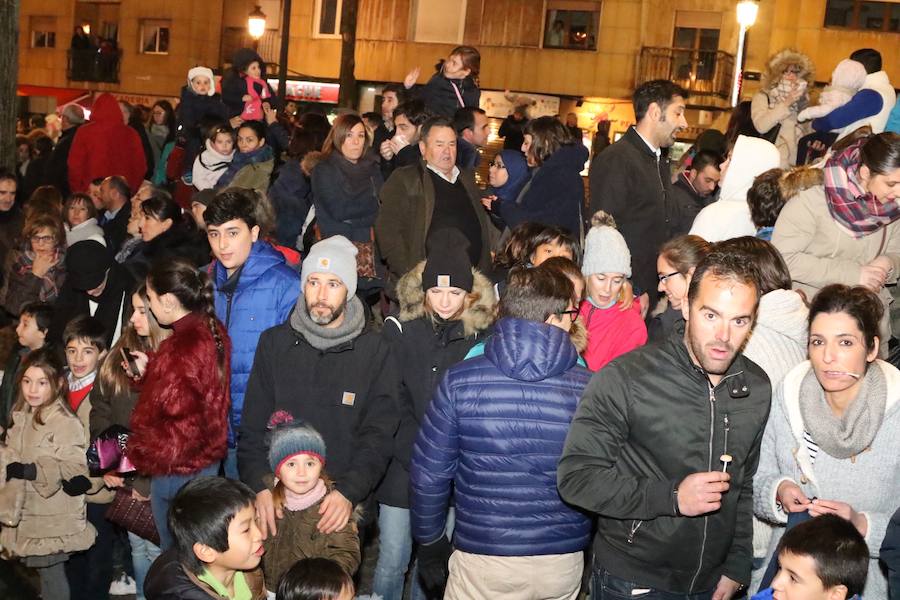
[[254, 290]]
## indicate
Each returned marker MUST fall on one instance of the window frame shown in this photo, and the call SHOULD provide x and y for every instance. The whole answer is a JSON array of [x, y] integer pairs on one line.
[[42, 27], [44, 35], [414, 33], [317, 17], [597, 7], [855, 16], [147, 26]]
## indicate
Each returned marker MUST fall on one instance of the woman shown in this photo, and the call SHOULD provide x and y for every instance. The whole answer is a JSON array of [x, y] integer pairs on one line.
[[832, 442], [161, 133], [35, 271], [440, 320], [112, 402], [80, 216], [179, 426], [252, 164], [675, 265], [508, 174], [846, 230], [290, 192], [165, 233], [555, 194], [783, 94]]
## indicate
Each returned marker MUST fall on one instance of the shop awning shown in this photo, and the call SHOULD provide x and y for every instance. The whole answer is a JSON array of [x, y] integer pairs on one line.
[[62, 95]]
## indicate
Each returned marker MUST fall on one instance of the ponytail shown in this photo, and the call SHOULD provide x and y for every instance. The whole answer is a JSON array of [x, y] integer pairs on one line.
[[207, 299]]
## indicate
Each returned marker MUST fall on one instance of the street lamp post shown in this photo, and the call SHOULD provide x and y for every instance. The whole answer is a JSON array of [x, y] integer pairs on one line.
[[256, 25], [746, 17]]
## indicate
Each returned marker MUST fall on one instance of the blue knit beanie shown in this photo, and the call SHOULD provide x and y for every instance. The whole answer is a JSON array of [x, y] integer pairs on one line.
[[290, 438]]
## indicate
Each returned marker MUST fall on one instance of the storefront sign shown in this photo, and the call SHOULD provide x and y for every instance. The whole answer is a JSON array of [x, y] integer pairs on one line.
[[310, 91], [501, 104]]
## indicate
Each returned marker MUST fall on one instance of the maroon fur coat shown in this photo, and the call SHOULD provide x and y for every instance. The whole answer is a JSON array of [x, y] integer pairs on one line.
[[180, 423]]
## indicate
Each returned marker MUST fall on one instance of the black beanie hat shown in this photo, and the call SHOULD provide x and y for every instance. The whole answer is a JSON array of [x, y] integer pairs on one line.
[[447, 263], [86, 264]]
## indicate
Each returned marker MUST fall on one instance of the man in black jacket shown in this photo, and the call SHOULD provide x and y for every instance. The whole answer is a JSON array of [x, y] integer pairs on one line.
[[326, 368], [57, 170], [631, 181], [115, 195], [664, 447], [695, 188]]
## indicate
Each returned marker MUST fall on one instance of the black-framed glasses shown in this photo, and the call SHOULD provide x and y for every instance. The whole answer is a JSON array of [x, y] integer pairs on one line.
[[571, 312], [664, 278], [499, 165]]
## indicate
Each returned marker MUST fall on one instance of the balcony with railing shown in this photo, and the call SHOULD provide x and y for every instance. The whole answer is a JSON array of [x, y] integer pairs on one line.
[[92, 64], [701, 72]]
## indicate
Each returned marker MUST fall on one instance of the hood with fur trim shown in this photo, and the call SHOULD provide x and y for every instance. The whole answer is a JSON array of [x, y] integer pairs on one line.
[[311, 161], [476, 318], [799, 179], [780, 61]]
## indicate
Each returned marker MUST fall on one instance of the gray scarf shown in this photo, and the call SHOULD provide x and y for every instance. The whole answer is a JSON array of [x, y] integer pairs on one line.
[[323, 338], [846, 436]]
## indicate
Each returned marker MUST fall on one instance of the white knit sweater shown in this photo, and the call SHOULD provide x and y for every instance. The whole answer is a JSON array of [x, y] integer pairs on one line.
[[870, 482], [778, 341]]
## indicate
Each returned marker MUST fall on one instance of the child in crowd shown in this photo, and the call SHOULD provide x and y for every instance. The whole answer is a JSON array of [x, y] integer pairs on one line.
[[251, 166], [454, 84], [824, 558], [217, 548], [46, 474], [612, 331], [85, 343], [766, 200], [244, 88], [316, 579], [297, 457], [529, 245], [212, 162], [199, 102], [31, 333], [80, 216]]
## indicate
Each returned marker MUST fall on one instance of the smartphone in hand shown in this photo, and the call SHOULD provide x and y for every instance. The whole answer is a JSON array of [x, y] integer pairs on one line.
[[133, 370]]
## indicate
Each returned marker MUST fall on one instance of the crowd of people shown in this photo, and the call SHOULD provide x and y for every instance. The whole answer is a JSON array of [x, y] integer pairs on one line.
[[255, 341]]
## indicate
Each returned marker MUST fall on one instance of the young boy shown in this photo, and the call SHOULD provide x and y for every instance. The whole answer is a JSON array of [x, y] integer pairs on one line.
[[824, 558], [218, 546], [34, 323], [85, 343]]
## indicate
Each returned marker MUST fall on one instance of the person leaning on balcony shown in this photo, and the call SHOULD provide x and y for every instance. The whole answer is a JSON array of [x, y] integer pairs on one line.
[[783, 94]]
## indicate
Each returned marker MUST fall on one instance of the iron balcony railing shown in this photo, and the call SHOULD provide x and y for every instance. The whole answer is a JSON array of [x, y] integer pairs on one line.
[[701, 72]]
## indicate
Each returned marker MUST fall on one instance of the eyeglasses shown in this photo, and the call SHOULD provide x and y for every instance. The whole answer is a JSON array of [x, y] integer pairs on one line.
[[793, 69], [43, 239], [496, 164], [664, 278], [572, 313]]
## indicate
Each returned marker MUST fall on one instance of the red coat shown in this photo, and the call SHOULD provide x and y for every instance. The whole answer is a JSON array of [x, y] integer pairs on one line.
[[106, 146], [180, 423]]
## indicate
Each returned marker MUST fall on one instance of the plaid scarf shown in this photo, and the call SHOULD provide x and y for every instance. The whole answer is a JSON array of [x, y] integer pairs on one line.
[[22, 265], [857, 211]]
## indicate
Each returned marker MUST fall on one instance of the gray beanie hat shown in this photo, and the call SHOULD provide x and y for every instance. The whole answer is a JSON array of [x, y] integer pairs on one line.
[[332, 255], [605, 250]]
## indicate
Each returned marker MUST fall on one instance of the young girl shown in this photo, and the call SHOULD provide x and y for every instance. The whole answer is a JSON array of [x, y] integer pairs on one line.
[[244, 89], [199, 103], [454, 84], [316, 579], [529, 245], [210, 164], [180, 424], [112, 402], [297, 457], [252, 165], [45, 459], [607, 266]]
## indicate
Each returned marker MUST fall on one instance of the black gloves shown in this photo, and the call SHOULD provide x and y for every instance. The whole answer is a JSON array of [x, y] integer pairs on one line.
[[76, 486], [434, 565], [17, 470]]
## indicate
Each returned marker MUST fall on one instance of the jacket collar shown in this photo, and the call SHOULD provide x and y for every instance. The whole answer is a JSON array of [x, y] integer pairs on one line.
[[635, 139], [262, 257]]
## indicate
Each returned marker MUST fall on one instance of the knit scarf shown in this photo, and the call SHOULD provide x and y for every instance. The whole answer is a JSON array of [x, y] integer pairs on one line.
[[23, 263], [323, 338], [359, 177], [857, 211], [297, 502], [241, 160], [782, 90], [845, 436]]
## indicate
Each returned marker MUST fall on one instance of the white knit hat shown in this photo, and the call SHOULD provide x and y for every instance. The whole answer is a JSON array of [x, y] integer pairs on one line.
[[332, 255], [203, 72], [605, 250]]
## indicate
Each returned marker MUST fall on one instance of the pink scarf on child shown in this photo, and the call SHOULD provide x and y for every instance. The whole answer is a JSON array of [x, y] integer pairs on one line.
[[296, 502]]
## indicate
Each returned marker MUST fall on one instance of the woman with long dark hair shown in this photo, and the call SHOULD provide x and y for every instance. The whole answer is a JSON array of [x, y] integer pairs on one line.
[[165, 232]]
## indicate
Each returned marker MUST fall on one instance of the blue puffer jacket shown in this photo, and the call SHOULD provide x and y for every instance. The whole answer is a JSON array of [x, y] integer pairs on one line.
[[266, 292], [495, 429]]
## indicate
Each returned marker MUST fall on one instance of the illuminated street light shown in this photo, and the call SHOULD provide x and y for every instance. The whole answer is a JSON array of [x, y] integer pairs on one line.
[[256, 23], [747, 10]]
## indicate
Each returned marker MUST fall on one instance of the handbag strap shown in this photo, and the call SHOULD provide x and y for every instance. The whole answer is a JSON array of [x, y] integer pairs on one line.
[[459, 97]]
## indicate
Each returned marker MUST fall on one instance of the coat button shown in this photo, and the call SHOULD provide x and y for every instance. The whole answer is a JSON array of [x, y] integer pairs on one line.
[[804, 480], [434, 369]]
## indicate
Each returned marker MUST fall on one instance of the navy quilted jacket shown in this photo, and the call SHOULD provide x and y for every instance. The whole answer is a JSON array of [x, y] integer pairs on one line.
[[266, 292], [495, 430]]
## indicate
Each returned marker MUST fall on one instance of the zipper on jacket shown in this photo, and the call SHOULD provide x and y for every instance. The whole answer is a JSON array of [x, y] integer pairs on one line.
[[635, 525], [230, 296], [712, 424]]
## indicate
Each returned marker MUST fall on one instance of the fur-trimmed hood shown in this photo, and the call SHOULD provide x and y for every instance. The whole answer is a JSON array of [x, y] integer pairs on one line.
[[799, 179], [311, 161], [780, 61], [476, 318]]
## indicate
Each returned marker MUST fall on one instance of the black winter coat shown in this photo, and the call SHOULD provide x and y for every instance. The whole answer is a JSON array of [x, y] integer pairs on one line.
[[116, 230], [513, 133], [346, 196], [688, 203], [890, 555], [56, 172], [631, 184], [555, 195], [169, 580], [348, 393], [291, 197], [195, 109], [441, 99], [177, 242], [645, 422]]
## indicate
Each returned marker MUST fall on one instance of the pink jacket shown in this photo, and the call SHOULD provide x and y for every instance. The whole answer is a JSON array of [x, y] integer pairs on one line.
[[611, 332]]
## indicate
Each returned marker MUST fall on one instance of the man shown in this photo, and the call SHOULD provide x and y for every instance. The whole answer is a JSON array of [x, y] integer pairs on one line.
[[95, 285], [870, 106], [695, 188], [512, 130], [326, 368], [428, 196], [665, 444], [390, 100], [115, 195], [11, 219], [491, 437], [472, 129], [57, 170], [403, 147], [572, 126], [254, 290], [106, 146], [631, 181]]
